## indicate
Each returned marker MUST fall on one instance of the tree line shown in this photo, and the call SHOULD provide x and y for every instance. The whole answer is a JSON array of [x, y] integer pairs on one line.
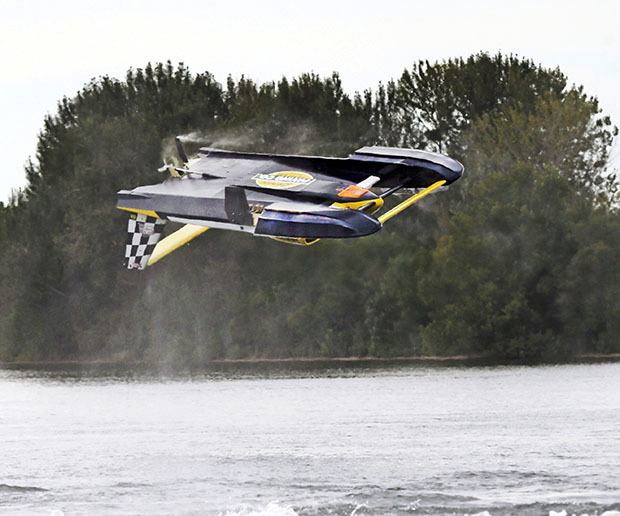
[[517, 261]]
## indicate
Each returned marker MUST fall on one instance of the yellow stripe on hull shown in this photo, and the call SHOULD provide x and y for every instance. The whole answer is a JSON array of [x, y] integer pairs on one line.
[[411, 200], [296, 241], [358, 205], [148, 213], [175, 240]]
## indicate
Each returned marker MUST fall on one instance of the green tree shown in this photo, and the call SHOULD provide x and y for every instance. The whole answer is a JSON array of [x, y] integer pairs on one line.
[[502, 278], [513, 262]]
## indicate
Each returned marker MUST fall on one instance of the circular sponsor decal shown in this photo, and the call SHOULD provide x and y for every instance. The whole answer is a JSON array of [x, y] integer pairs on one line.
[[283, 179]]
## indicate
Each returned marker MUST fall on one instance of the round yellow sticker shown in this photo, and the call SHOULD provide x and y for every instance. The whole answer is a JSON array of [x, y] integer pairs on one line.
[[284, 179]]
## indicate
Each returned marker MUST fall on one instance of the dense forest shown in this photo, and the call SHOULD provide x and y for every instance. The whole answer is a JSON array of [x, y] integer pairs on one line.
[[518, 260]]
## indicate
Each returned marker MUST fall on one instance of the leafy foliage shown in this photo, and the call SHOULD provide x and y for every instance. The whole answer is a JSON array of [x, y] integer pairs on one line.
[[515, 262]]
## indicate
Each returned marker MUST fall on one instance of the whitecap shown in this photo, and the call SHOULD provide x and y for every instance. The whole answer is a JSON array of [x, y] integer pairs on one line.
[[271, 509], [20, 489]]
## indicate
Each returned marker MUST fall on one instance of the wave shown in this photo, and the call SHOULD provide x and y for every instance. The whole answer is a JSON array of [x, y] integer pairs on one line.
[[564, 513], [130, 485], [6, 488], [271, 509], [359, 509]]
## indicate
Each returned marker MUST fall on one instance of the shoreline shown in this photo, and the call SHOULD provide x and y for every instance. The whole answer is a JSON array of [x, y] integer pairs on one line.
[[455, 360]]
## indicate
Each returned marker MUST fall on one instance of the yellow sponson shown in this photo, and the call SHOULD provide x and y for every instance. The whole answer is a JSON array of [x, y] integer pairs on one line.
[[148, 213], [358, 205], [411, 200], [175, 240], [296, 241]]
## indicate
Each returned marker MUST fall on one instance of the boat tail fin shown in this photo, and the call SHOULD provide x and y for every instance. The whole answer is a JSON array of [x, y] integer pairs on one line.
[[143, 233]]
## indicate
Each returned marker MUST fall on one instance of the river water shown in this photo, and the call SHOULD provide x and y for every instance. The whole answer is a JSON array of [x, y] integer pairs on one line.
[[294, 440]]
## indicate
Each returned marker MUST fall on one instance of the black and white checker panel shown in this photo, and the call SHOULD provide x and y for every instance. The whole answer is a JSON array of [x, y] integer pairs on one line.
[[143, 233]]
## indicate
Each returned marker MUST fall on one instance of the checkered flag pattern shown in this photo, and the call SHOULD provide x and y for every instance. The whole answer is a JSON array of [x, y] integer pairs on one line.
[[143, 233]]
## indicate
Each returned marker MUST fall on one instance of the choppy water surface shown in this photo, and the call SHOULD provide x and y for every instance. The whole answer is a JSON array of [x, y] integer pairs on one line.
[[382, 440]]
